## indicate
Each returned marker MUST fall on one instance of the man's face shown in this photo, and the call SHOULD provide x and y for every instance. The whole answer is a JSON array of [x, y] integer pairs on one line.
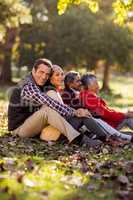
[[41, 74], [76, 84]]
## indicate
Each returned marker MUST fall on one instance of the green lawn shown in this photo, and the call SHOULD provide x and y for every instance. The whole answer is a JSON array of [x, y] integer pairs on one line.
[[31, 169], [122, 88]]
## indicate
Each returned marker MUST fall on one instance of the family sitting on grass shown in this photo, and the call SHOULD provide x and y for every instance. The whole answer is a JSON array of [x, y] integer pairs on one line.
[[38, 105]]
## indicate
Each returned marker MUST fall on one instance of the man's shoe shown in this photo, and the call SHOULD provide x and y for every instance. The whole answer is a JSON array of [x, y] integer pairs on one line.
[[90, 135]]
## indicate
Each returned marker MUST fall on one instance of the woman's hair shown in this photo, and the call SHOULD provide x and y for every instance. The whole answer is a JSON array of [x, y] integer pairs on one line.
[[48, 84], [69, 78], [54, 67], [42, 61], [87, 79]]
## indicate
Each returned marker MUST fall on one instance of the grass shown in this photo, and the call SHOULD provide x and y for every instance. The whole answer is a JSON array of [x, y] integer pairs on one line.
[[32, 169], [122, 93]]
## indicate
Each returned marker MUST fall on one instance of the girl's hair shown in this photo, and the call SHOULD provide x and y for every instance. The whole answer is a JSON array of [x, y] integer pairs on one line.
[[54, 66]]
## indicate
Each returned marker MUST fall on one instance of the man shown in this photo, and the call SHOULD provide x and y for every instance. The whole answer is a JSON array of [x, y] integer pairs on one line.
[[30, 109], [71, 96]]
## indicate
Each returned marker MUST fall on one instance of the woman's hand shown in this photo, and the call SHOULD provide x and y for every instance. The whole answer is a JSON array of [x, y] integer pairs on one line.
[[82, 113]]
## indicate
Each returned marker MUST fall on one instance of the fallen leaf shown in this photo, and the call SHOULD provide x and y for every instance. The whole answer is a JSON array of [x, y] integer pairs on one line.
[[105, 151], [19, 176], [29, 164], [4, 189], [73, 180], [123, 180], [28, 182], [91, 187], [2, 167], [124, 195]]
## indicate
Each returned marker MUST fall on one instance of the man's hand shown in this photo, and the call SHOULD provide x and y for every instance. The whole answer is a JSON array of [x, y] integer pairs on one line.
[[82, 113], [129, 114]]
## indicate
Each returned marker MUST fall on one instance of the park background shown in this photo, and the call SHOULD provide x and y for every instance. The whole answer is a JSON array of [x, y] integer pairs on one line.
[[93, 36]]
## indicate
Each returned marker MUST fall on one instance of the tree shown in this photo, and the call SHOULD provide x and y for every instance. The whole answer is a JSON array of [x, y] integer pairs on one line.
[[115, 47], [121, 13], [121, 8], [77, 38], [61, 38], [34, 44], [13, 13]]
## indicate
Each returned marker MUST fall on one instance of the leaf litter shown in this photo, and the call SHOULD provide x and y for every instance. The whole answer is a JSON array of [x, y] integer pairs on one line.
[[32, 163]]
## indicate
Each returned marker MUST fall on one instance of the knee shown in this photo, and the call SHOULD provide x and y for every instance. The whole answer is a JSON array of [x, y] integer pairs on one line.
[[46, 109], [22, 134], [43, 107]]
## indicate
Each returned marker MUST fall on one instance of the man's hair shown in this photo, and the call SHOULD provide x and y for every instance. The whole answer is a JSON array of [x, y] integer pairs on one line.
[[69, 78], [87, 79], [42, 61]]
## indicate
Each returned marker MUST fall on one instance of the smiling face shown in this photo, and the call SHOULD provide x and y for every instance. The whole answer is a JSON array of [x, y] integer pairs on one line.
[[41, 74], [57, 77]]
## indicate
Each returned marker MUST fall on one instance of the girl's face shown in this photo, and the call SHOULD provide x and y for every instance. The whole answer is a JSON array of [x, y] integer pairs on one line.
[[57, 77]]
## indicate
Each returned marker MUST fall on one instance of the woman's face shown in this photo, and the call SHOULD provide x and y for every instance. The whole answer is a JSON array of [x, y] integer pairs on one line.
[[57, 77], [94, 86]]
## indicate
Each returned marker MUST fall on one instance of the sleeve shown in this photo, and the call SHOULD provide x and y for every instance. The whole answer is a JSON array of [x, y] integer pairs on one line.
[[70, 100], [66, 96], [33, 95], [55, 95], [99, 106]]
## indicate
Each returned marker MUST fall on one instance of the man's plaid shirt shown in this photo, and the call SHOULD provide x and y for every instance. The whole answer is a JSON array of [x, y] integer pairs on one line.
[[32, 94]]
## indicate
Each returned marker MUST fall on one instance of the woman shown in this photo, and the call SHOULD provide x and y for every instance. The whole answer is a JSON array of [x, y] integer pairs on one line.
[[91, 101]]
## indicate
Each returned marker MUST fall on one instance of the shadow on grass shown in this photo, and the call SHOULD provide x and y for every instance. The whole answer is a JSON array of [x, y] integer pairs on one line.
[[15, 146]]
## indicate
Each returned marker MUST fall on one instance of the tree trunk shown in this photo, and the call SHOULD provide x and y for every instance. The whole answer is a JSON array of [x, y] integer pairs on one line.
[[105, 86], [6, 74]]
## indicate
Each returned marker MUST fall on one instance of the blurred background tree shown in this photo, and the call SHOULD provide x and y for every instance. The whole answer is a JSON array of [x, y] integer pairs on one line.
[[122, 9], [13, 13], [80, 37], [118, 44]]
